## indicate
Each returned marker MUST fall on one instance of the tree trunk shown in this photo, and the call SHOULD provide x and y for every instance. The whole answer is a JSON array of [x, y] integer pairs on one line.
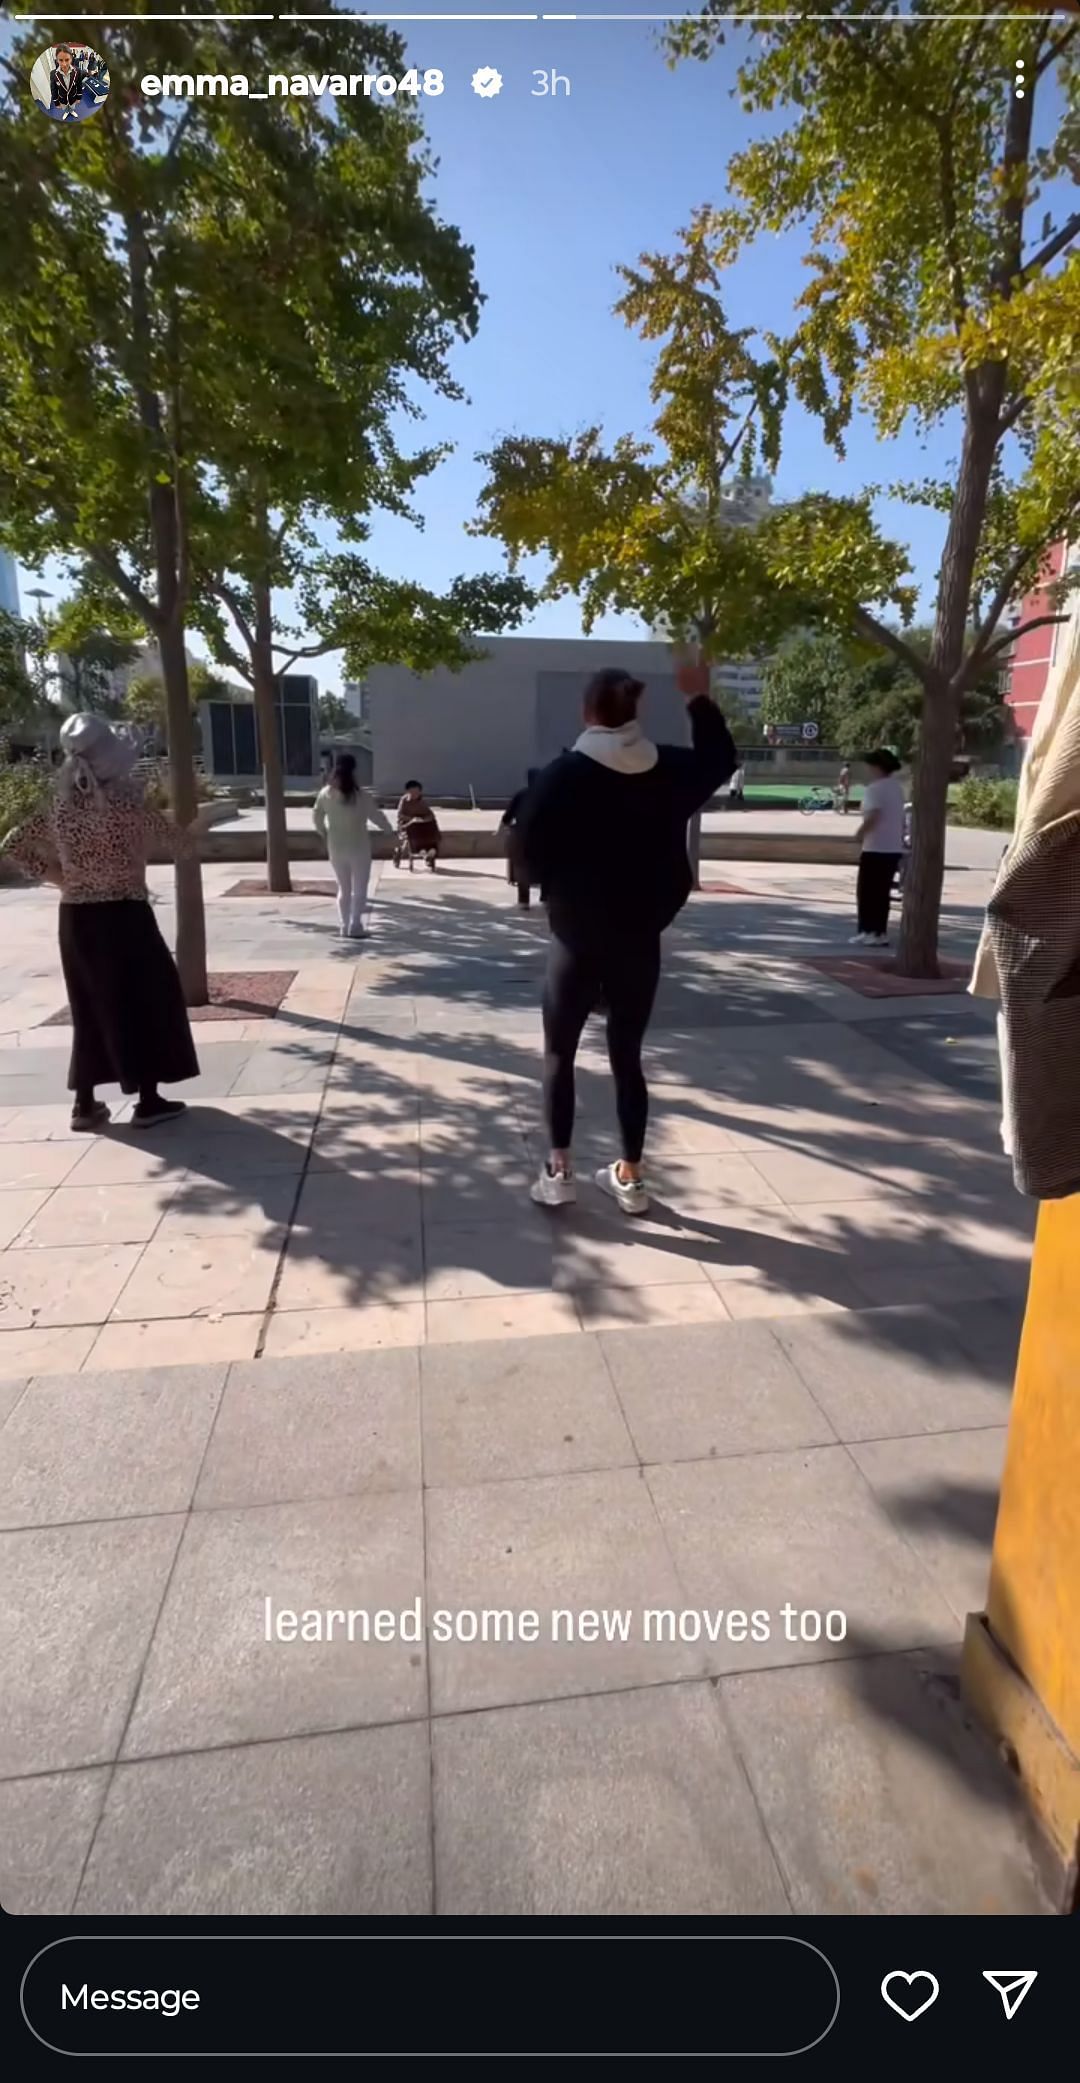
[[263, 681], [190, 911], [918, 955]]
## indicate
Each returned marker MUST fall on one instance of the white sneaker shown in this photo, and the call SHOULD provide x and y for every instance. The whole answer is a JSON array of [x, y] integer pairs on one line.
[[878, 939], [858, 940], [554, 1189], [630, 1193]]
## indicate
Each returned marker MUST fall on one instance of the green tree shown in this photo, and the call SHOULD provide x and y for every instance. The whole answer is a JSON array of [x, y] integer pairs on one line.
[[336, 719], [645, 527], [213, 310], [860, 697], [937, 294], [804, 683], [19, 702]]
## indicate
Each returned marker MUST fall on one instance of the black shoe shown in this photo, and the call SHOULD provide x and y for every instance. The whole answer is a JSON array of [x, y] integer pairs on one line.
[[155, 1117]]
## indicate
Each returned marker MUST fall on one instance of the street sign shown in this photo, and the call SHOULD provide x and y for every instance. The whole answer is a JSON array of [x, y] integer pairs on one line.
[[810, 732]]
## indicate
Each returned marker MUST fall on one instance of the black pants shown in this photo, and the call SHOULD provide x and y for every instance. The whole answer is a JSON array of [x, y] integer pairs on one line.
[[625, 973], [873, 890]]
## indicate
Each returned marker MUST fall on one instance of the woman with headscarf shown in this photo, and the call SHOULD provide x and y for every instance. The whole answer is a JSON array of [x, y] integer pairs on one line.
[[92, 838]]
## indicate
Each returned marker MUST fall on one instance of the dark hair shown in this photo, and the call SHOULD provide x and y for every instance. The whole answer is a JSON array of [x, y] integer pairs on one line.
[[65, 47], [612, 697], [343, 777], [413, 784], [883, 759]]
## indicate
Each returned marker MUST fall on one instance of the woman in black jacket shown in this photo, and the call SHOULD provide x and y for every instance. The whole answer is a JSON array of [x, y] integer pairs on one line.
[[66, 82], [604, 832]]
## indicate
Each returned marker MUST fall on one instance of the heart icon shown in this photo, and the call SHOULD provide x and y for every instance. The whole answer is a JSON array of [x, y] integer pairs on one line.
[[907, 2003]]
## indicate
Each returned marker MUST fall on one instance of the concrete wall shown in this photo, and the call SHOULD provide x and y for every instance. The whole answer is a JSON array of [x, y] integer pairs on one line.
[[483, 728]]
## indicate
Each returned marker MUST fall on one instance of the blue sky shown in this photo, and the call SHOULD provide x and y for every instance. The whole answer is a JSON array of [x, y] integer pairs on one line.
[[553, 193]]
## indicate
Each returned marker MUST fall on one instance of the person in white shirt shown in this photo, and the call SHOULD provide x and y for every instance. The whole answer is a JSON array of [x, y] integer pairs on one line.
[[881, 830], [343, 812]]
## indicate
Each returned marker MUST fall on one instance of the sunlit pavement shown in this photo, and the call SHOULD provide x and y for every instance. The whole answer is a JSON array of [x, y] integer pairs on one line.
[[314, 1345]]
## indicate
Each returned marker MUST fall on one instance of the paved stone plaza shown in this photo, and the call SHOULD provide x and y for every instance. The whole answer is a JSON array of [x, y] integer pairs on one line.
[[315, 1346]]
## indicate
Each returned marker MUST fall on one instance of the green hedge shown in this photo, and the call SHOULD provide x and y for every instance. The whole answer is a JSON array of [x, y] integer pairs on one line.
[[22, 788], [991, 804]]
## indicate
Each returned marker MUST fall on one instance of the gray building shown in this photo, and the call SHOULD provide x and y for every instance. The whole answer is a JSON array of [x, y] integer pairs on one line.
[[477, 732]]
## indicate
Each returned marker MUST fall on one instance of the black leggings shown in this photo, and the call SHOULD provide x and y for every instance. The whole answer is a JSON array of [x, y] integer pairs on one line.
[[624, 973], [873, 890]]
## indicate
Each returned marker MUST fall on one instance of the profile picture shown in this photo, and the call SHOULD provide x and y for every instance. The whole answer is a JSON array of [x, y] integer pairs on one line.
[[69, 81]]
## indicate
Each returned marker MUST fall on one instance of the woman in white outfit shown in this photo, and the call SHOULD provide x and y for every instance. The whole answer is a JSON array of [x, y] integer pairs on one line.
[[343, 812]]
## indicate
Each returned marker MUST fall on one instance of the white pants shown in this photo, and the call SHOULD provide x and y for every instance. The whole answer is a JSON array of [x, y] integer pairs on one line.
[[353, 873]]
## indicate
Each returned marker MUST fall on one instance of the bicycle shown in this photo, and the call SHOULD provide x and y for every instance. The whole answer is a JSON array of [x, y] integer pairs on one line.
[[817, 799]]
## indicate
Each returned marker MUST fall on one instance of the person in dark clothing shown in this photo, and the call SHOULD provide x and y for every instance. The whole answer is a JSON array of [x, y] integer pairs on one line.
[[516, 867], [603, 830], [66, 82]]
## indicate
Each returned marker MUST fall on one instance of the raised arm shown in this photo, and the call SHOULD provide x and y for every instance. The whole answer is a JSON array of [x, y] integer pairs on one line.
[[32, 847], [376, 815], [179, 841]]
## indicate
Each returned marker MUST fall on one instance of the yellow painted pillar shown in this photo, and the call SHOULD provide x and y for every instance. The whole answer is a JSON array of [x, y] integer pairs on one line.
[[1021, 1667]]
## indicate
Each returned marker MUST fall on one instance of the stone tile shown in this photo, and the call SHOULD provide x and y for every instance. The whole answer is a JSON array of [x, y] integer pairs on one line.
[[941, 1491], [114, 1161], [318, 1427], [106, 1446], [173, 1341], [796, 1176], [694, 1393], [581, 1543], [760, 1531], [78, 1285], [520, 1408], [468, 1260], [214, 1208], [341, 1824], [631, 1805], [375, 1326], [38, 1165], [200, 1276], [988, 1332], [46, 1826], [617, 1251], [17, 1208], [80, 1604], [97, 1215], [278, 1115], [340, 1202], [703, 1181], [213, 1678], [891, 1286], [49, 1124], [301, 1067], [878, 1796], [885, 1372], [500, 1316], [337, 1270], [11, 1388], [23, 1353], [616, 1308]]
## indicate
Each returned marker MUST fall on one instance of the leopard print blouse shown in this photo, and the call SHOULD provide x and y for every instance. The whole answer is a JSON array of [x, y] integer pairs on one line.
[[98, 841]]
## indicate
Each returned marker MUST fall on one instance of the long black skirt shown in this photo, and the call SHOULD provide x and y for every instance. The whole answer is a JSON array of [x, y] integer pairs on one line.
[[127, 1006]]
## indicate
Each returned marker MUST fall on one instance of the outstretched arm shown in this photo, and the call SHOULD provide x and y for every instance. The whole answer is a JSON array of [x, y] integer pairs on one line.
[[32, 848], [376, 815]]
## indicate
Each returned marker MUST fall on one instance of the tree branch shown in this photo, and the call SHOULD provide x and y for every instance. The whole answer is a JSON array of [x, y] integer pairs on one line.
[[231, 600], [108, 563], [1003, 643], [879, 632], [1054, 50], [1052, 248]]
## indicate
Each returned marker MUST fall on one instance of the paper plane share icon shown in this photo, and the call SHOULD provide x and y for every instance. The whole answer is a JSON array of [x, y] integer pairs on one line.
[[1012, 1985]]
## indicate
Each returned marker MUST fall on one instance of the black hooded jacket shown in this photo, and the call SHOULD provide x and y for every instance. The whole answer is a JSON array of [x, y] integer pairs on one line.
[[609, 848]]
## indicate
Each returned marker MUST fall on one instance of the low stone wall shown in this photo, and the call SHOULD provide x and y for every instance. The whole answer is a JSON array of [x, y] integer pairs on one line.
[[799, 847]]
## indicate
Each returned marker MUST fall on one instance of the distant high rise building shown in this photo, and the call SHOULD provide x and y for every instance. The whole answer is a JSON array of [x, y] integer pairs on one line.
[[9, 585], [746, 499], [354, 694]]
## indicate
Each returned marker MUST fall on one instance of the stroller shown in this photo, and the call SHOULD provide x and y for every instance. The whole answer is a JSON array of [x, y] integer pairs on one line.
[[418, 835]]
